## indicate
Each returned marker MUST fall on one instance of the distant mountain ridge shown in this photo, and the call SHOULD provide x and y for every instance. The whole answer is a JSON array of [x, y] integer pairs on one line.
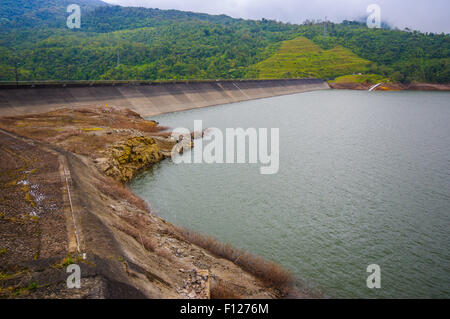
[[32, 13]]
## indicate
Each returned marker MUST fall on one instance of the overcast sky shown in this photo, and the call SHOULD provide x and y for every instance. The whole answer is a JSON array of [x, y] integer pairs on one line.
[[423, 15]]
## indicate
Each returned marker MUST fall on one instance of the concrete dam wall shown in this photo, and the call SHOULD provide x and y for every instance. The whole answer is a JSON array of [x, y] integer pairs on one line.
[[146, 98]]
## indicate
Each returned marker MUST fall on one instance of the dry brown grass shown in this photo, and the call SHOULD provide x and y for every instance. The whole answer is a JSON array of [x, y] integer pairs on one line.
[[131, 113], [163, 134], [166, 253], [64, 135], [37, 133], [269, 272], [85, 144], [120, 192], [220, 290], [148, 243], [42, 126]]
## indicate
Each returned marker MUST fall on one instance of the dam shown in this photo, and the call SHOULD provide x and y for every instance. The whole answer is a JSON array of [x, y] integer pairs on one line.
[[143, 97]]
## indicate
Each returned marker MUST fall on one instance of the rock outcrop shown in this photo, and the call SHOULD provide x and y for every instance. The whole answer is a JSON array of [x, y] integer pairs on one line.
[[124, 160]]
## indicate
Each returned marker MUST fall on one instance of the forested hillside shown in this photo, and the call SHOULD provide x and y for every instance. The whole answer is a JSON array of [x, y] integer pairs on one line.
[[121, 43]]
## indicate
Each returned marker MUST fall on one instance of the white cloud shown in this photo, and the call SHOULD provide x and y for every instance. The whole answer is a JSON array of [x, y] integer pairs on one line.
[[429, 16]]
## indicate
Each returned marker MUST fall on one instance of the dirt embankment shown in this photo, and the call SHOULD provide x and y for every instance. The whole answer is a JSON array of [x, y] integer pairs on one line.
[[120, 142], [391, 86], [63, 202]]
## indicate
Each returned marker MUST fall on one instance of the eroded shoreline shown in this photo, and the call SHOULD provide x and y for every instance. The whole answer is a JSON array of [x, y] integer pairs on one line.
[[95, 151]]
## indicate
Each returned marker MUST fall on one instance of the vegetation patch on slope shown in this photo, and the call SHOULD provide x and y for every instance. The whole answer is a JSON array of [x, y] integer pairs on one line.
[[361, 78], [301, 57]]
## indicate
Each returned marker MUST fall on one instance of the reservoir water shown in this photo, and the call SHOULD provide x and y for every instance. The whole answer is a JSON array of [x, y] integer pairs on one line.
[[364, 179]]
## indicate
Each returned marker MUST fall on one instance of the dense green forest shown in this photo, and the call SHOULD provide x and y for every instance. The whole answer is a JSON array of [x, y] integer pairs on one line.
[[122, 43]]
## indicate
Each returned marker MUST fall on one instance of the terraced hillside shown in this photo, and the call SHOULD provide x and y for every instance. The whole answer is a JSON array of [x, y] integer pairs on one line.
[[301, 57]]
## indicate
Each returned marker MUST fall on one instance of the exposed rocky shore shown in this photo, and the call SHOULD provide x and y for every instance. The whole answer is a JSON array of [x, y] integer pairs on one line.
[[125, 159], [70, 166]]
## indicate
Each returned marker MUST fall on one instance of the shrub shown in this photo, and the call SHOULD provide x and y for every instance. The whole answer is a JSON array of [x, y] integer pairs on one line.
[[120, 192], [220, 290], [269, 272], [148, 243]]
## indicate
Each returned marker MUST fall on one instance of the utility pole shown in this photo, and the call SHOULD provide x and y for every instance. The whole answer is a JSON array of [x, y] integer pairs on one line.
[[325, 24], [118, 53], [16, 70]]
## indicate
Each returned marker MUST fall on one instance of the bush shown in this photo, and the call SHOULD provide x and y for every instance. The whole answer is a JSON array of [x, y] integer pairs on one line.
[[269, 272]]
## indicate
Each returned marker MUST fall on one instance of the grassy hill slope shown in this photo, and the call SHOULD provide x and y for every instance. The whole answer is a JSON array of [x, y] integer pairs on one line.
[[301, 57], [363, 78]]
